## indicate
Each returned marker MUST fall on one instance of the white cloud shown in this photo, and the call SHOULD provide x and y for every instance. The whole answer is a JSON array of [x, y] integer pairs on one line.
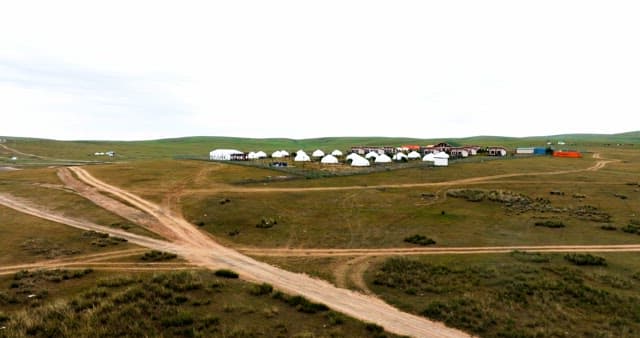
[[300, 69]]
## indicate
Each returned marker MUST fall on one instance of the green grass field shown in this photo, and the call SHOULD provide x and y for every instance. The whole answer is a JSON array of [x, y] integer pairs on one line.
[[499, 295], [192, 304]]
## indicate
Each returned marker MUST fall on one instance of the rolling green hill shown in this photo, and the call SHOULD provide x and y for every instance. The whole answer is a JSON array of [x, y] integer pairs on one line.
[[201, 145]]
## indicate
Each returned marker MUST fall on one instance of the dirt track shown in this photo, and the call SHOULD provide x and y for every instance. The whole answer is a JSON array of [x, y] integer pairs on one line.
[[202, 250], [473, 180]]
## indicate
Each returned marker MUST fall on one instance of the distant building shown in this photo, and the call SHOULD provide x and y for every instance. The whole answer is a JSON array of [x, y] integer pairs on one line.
[[497, 151], [459, 152], [223, 154], [568, 153]]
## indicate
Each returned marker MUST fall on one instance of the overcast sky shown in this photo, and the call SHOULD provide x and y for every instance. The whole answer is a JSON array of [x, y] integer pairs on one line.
[[300, 69]]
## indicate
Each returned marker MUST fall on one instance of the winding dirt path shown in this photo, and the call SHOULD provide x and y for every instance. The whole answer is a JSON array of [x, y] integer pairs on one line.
[[200, 249], [473, 180]]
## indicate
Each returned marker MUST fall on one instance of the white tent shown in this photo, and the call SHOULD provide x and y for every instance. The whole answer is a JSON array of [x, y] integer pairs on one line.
[[414, 155], [441, 159], [252, 156], [261, 154], [277, 154], [336, 153], [329, 159], [400, 157], [359, 161], [284, 153], [301, 156], [371, 154], [352, 156], [428, 157], [318, 153], [223, 154], [383, 159]]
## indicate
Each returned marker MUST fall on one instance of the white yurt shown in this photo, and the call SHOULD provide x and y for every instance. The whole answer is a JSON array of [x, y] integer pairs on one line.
[[400, 157], [252, 155], [284, 153], [383, 159], [317, 153], [223, 154], [414, 155], [261, 154], [441, 159], [329, 159], [336, 153], [359, 161], [277, 154], [429, 157], [371, 154], [301, 156], [352, 156]]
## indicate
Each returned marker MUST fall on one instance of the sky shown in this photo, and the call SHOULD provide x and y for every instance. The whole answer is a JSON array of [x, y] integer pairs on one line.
[[131, 70]]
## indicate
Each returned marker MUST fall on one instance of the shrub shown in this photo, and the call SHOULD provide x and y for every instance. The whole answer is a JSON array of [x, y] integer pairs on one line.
[[585, 259], [226, 273], [608, 227], [419, 240], [550, 224], [155, 256], [261, 289], [266, 223], [533, 257], [300, 303]]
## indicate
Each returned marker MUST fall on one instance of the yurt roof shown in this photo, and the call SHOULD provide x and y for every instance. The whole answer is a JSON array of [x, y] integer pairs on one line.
[[383, 159], [371, 154], [441, 154], [336, 153], [360, 162], [414, 154], [329, 159], [318, 153]]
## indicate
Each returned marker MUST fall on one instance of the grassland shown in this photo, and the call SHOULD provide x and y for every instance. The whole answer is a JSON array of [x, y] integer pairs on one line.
[[491, 295], [196, 303], [200, 146], [518, 294]]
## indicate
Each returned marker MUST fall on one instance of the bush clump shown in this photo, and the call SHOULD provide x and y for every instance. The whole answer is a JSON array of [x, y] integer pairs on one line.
[[420, 240], [157, 256], [261, 289], [226, 273], [608, 227], [585, 259], [266, 223], [533, 257], [550, 224], [300, 303]]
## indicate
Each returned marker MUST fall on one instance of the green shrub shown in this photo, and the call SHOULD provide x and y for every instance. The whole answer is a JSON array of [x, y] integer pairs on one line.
[[550, 224], [608, 227], [226, 273], [533, 257], [261, 289], [419, 240], [585, 259], [157, 256]]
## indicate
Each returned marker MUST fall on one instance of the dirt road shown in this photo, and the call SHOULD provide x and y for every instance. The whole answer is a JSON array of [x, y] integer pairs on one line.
[[283, 252], [473, 180], [202, 250]]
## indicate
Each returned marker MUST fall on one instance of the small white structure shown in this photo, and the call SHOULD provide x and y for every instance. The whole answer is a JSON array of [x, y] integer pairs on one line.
[[14, 158], [429, 158], [252, 156], [329, 159], [318, 153], [223, 154], [359, 161], [414, 155], [441, 159], [383, 159], [371, 154], [261, 154], [301, 156], [401, 157], [336, 153], [352, 156], [525, 151], [284, 153], [277, 154]]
